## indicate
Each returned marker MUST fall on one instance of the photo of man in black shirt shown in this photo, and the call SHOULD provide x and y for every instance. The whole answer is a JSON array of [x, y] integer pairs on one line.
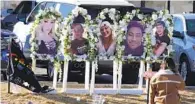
[[79, 45], [162, 39]]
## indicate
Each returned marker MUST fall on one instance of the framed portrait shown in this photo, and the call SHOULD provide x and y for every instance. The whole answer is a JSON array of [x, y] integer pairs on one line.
[[134, 40], [162, 39]]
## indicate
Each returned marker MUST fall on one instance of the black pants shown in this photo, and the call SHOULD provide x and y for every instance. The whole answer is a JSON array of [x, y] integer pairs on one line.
[[22, 75], [19, 72]]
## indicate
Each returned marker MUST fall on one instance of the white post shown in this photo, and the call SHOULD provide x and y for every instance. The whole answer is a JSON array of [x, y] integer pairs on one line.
[[55, 78], [147, 69], [33, 65], [115, 67], [64, 84], [92, 78], [120, 75], [141, 72], [87, 68]]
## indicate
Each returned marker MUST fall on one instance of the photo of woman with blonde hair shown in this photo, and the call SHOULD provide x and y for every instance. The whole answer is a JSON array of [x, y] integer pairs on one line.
[[107, 44], [45, 37]]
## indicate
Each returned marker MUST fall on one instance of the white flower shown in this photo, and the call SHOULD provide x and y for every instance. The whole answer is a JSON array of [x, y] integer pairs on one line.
[[160, 14], [75, 12], [105, 10], [91, 21], [83, 11], [154, 16], [127, 15], [96, 40], [112, 11], [88, 17], [68, 46], [32, 48], [131, 17], [133, 12], [51, 9], [122, 23], [124, 28], [102, 16], [120, 38], [122, 47], [148, 58], [140, 16], [92, 37], [112, 16], [166, 11]]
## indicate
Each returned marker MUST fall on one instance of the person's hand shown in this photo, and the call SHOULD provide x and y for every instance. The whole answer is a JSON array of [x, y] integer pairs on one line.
[[149, 74]]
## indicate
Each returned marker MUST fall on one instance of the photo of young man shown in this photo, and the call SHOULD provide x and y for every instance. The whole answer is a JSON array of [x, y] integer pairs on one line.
[[79, 44], [162, 39], [133, 43]]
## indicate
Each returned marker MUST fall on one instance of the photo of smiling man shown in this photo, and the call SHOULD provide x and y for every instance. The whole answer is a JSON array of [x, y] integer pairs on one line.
[[133, 43], [162, 39]]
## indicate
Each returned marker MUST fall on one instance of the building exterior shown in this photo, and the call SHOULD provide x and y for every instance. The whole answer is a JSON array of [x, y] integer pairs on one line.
[[175, 6], [9, 4]]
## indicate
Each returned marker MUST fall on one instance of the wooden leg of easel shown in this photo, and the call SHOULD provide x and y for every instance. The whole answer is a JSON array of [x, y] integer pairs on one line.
[[148, 91]]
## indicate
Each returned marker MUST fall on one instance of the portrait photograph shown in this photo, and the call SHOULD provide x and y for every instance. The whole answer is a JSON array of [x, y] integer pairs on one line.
[[162, 39], [134, 39]]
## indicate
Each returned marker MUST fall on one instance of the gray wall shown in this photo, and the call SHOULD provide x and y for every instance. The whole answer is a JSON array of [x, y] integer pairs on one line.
[[175, 6]]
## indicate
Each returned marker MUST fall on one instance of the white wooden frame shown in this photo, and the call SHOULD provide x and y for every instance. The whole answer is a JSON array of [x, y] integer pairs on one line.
[[64, 83], [117, 81], [112, 90], [133, 91]]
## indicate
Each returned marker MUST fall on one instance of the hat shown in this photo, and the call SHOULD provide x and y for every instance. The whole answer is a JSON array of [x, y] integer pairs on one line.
[[105, 23], [135, 24], [160, 23]]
